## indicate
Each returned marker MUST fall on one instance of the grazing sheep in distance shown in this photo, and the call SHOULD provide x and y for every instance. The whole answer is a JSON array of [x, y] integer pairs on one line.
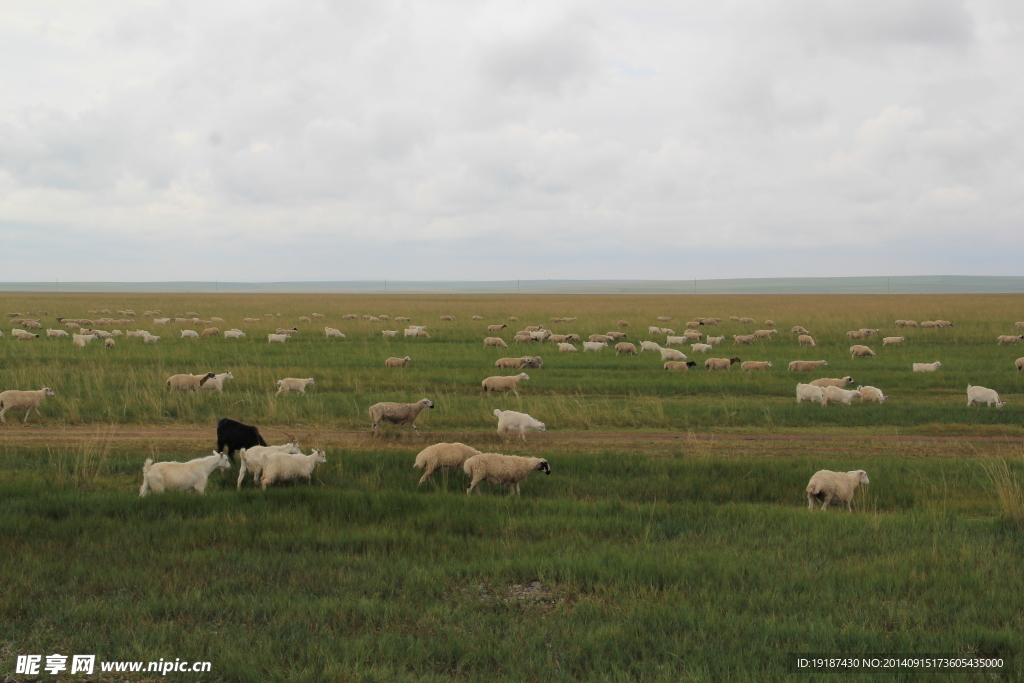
[[622, 323], [943, 323], [806, 340], [827, 486], [477, 318], [765, 334], [210, 332], [80, 340], [1008, 339], [672, 354], [442, 457], [54, 333], [150, 339], [682, 365], [108, 343], [502, 470], [318, 316], [513, 319], [809, 392], [800, 330], [16, 400], [573, 338], [181, 476], [350, 316], [304, 319], [734, 318], [665, 318], [715, 340], [1019, 363], [523, 362], [1018, 326], [23, 335], [500, 383], [749, 365], [858, 350], [496, 342], [625, 347], [600, 338], [511, 421], [495, 329], [594, 346], [832, 382], [806, 365], [837, 395], [927, 367], [871, 395], [401, 319], [565, 347], [397, 362], [666, 331], [694, 324], [285, 466], [383, 317], [675, 341], [398, 413], [701, 348], [277, 338], [614, 336], [650, 346], [233, 334], [189, 334], [980, 395], [188, 382], [448, 318], [216, 383], [747, 320], [246, 320], [653, 329], [889, 341], [292, 384], [743, 338], [929, 324], [720, 363], [388, 334]]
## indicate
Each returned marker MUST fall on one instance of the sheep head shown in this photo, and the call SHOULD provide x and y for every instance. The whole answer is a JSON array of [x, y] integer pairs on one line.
[[862, 476], [544, 467]]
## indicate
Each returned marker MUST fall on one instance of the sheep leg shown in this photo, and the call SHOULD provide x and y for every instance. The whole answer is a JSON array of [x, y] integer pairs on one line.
[[828, 499], [37, 412], [426, 474], [241, 475], [472, 486], [2, 418], [515, 391], [144, 489], [27, 414], [810, 501]]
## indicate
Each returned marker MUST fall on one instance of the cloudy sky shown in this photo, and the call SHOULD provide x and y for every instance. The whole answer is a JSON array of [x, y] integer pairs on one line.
[[459, 139]]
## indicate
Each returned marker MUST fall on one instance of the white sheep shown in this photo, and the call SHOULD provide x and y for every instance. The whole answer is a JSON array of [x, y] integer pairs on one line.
[[714, 341], [806, 340], [1008, 339], [398, 413], [216, 383], [594, 346], [277, 338], [625, 347], [890, 341], [285, 466], [394, 362], [565, 347], [1019, 364], [189, 334], [109, 343], [80, 340], [502, 470], [806, 365], [188, 382], [511, 421], [981, 395], [672, 354], [496, 342], [443, 457], [701, 348], [150, 339], [292, 384], [54, 333], [389, 334], [650, 346], [13, 399], [181, 476], [23, 335], [331, 332], [251, 459], [750, 365], [234, 334], [653, 329], [828, 486], [859, 350], [871, 395], [810, 393], [832, 382], [926, 367], [502, 383], [720, 363], [837, 395], [675, 341]]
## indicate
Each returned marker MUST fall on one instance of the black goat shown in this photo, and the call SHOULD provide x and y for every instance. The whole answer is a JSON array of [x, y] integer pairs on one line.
[[235, 436]]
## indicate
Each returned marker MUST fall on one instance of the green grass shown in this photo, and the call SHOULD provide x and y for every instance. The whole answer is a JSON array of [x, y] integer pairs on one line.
[[697, 565]]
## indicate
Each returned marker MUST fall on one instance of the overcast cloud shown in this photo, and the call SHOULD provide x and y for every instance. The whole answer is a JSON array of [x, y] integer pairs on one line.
[[265, 140]]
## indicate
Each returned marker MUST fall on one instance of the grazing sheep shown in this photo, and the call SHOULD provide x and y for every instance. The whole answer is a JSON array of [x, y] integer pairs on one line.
[[511, 421], [216, 383], [681, 365], [910, 323], [250, 459], [23, 335], [285, 466], [1019, 363], [871, 395], [743, 338], [800, 330], [246, 320], [890, 341], [384, 317], [523, 338], [181, 476], [287, 330], [810, 393], [513, 319], [653, 329], [806, 365], [858, 350], [189, 334], [715, 340], [55, 333], [477, 318], [625, 347], [672, 354], [448, 318], [565, 347], [734, 318], [188, 382], [665, 318], [832, 382], [150, 339], [500, 383], [749, 365], [928, 324], [108, 343], [867, 332], [573, 338], [827, 486], [856, 334], [622, 323], [927, 367], [675, 341], [277, 338], [558, 338], [374, 319], [210, 332], [614, 336], [720, 363], [600, 338], [331, 332], [594, 346], [806, 340], [350, 316], [443, 457], [402, 319], [16, 400], [1018, 326], [496, 342], [980, 395], [533, 362], [397, 362], [233, 334], [690, 335], [765, 334], [32, 324], [494, 329], [666, 330], [701, 348], [389, 334], [694, 324], [650, 346], [398, 413], [292, 384], [1009, 339], [770, 323], [80, 340], [318, 316], [747, 320], [415, 332], [943, 323], [502, 470], [837, 395]]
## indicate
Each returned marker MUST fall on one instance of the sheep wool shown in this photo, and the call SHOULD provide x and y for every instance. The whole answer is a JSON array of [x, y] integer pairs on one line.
[[181, 476], [398, 413], [16, 400], [827, 486], [285, 466], [500, 383], [832, 382], [502, 470], [293, 384], [511, 421], [982, 396], [871, 395], [443, 457]]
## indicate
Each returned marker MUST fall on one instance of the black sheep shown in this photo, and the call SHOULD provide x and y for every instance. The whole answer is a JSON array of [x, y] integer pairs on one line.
[[236, 436]]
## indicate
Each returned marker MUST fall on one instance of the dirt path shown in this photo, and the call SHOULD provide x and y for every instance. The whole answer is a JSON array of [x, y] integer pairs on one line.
[[37, 435]]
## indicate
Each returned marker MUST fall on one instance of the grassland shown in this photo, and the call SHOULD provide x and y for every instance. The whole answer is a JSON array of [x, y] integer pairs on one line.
[[671, 542]]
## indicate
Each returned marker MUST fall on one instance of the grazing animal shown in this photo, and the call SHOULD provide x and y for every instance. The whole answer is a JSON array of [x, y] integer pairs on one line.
[[234, 436], [12, 399], [826, 486], [181, 476], [443, 457], [398, 413], [502, 470]]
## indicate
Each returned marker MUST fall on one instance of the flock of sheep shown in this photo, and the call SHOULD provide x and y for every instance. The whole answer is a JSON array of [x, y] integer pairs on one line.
[[270, 464]]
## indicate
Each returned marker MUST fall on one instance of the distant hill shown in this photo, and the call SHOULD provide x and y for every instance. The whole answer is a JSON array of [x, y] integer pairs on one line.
[[912, 284]]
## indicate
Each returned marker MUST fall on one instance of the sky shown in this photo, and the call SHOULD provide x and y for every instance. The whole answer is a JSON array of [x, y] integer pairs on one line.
[[477, 140]]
